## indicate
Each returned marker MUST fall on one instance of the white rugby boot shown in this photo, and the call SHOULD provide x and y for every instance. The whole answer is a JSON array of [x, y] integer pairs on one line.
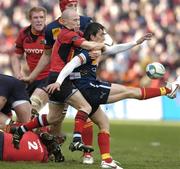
[[174, 86], [88, 159], [112, 165]]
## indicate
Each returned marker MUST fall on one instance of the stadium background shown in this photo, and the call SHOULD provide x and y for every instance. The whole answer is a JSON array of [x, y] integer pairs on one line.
[[125, 20]]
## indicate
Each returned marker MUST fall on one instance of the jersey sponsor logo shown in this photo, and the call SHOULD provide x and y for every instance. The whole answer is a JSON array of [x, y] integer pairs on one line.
[[34, 51], [55, 32]]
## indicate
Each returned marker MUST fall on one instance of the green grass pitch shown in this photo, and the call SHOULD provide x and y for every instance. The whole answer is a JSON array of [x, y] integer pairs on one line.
[[136, 145]]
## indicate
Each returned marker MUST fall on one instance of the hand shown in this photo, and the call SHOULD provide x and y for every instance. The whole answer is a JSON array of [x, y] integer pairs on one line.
[[145, 37], [52, 87], [94, 54], [19, 76], [27, 79]]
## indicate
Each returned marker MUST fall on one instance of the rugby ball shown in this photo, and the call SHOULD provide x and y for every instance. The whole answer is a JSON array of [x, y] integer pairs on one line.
[[155, 70]]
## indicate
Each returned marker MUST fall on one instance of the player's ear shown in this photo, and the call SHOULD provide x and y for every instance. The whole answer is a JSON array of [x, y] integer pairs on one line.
[[92, 37]]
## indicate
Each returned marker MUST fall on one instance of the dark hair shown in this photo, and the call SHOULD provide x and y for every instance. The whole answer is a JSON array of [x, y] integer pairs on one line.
[[92, 29]]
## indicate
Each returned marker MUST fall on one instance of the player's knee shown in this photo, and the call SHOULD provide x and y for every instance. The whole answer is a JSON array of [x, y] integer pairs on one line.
[[36, 102], [86, 108]]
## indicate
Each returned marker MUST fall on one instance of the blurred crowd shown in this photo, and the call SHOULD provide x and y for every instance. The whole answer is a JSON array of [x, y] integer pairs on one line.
[[125, 20]]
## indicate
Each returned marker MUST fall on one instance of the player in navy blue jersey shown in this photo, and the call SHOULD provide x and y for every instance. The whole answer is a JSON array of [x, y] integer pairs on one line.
[[13, 96], [82, 71]]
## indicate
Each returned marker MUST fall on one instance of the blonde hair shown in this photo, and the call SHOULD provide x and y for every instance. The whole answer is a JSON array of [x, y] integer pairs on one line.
[[36, 9]]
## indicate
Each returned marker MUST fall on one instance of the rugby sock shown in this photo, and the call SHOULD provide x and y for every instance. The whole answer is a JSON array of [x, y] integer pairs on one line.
[[104, 146], [80, 120], [39, 121], [154, 92], [87, 134]]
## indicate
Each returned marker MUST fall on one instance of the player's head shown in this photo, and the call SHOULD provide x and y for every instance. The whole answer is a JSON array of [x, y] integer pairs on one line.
[[71, 19], [94, 32], [37, 17], [64, 4]]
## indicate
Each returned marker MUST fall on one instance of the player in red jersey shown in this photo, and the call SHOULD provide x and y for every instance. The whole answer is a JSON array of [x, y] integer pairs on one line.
[[34, 147], [51, 33], [30, 43]]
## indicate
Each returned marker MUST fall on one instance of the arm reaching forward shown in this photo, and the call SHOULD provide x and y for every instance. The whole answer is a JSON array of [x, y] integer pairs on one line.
[[66, 71], [114, 49]]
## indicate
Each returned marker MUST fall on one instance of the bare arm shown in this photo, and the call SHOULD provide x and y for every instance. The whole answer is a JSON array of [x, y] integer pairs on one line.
[[89, 45], [67, 70], [16, 65], [43, 62]]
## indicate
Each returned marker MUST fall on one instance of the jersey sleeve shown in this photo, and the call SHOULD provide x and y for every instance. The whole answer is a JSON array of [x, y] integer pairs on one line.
[[77, 40], [19, 43], [85, 56]]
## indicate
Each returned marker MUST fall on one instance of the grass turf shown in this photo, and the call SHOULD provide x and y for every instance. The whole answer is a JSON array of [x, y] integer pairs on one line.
[[136, 145]]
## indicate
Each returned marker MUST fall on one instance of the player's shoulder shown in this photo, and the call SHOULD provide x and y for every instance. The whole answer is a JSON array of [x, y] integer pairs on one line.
[[84, 20], [23, 31], [54, 24]]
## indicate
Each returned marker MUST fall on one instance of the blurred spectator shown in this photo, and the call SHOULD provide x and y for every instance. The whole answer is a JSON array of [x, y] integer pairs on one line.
[[124, 19]]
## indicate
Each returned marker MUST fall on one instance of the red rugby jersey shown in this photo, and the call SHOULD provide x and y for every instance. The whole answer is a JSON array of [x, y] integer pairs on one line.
[[31, 148], [32, 46], [63, 49]]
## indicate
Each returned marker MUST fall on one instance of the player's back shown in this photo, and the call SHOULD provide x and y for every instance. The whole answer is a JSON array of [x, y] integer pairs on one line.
[[13, 90], [31, 148]]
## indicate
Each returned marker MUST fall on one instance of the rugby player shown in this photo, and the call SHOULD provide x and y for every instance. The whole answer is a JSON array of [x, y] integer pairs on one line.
[[37, 147], [30, 43], [82, 71], [13, 96]]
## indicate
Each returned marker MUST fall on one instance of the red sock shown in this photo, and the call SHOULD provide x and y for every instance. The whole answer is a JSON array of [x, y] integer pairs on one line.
[[104, 146], [80, 121], [38, 121], [154, 92], [87, 133]]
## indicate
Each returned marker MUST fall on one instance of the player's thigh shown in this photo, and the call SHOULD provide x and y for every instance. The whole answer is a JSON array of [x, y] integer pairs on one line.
[[55, 112], [101, 119], [3, 101], [23, 112], [118, 92], [79, 102]]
